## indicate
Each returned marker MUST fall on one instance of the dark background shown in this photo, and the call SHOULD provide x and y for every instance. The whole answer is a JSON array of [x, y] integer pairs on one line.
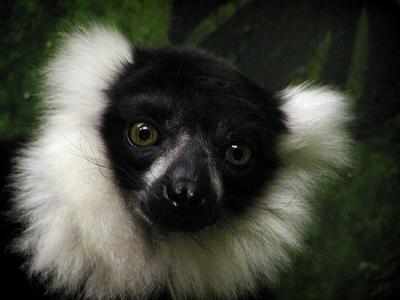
[[354, 244]]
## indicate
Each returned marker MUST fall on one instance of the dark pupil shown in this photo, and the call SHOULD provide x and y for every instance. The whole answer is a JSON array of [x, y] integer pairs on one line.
[[237, 152], [144, 133]]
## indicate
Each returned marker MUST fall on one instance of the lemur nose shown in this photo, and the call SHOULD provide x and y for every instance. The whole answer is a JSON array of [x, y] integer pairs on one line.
[[184, 198], [183, 194]]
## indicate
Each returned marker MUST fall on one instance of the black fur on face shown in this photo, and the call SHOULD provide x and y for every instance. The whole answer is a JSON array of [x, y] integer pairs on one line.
[[199, 108]]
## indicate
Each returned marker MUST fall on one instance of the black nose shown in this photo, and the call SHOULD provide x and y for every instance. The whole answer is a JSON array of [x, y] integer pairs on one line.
[[184, 194], [183, 200]]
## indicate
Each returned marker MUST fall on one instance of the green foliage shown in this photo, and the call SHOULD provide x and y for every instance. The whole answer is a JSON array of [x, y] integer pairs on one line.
[[146, 22], [214, 20], [22, 49], [312, 70], [355, 80]]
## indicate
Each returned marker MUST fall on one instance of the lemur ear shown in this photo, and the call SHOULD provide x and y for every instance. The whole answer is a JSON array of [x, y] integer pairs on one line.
[[85, 64], [317, 119]]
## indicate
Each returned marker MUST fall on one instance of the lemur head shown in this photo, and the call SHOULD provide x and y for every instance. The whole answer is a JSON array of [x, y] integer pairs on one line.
[[167, 169], [188, 138]]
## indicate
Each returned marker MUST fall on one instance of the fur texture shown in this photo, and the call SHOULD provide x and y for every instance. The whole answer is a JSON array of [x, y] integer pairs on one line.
[[79, 235]]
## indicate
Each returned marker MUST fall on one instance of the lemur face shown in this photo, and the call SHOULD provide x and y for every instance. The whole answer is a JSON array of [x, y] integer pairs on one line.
[[189, 138]]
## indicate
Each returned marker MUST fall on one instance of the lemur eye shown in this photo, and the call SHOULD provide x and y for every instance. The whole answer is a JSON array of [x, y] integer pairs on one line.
[[143, 135], [238, 155]]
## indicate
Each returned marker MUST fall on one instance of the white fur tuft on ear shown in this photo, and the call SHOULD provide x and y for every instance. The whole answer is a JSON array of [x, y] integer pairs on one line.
[[316, 118], [85, 65]]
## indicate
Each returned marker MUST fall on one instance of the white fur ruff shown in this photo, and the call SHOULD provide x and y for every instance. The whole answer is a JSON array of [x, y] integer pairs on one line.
[[79, 234]]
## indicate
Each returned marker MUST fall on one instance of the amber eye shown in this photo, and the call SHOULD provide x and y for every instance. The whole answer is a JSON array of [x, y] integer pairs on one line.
[[238, 155], [143, 135]]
